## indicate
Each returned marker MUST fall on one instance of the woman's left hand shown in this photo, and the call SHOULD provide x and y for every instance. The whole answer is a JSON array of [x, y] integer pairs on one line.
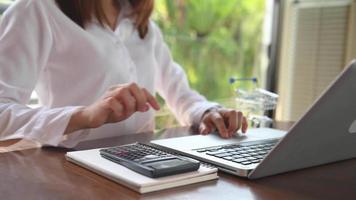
[[226, 121]]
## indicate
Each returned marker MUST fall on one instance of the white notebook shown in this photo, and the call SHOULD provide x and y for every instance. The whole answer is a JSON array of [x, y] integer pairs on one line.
[[92, 160]]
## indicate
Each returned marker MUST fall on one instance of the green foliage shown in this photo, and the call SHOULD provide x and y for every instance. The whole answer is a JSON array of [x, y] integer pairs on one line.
[[5, 1], [213, 40], [3, 5]]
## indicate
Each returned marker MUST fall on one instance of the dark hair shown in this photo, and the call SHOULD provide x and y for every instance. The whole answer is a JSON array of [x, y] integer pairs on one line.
[[82, 11]]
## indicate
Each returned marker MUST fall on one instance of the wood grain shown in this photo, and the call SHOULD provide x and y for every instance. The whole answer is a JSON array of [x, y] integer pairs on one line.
[[43, 173]]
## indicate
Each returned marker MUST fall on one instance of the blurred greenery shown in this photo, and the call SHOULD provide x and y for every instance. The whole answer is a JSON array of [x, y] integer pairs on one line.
[[213, 40], [5, 1], [3, 5]]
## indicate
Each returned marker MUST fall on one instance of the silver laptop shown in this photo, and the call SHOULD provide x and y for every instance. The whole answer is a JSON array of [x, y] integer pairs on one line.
[[326, 133]]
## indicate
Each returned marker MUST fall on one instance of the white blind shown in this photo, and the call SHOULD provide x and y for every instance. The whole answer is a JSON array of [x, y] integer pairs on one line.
[[318, 50]]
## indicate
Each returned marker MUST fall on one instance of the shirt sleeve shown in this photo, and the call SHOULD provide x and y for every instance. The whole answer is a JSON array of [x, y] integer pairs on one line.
[[172, 84], [25, 45]]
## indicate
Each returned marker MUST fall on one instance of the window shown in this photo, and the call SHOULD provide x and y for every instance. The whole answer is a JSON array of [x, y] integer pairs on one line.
[[213, 40]]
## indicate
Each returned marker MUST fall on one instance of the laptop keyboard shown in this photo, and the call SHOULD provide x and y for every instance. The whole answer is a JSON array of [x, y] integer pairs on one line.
[[244, 154]]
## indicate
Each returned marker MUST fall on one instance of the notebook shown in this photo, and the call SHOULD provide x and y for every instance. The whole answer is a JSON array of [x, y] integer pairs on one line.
[[91, 159]]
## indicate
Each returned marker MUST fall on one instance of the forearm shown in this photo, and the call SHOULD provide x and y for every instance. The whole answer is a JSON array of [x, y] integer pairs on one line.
[[45, 125]]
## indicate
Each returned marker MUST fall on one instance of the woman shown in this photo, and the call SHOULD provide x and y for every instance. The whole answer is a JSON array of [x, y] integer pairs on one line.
[[95, 65]]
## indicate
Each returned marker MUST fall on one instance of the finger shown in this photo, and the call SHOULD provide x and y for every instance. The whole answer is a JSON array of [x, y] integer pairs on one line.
[[219, 123], [203, 129], [244, 124], [206, 127], [140, 97], [231, 118], [239, 120], [151, 100], [129, 103]]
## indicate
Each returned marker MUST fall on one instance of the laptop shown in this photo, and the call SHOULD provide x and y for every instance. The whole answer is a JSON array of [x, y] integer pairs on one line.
[[325, 133]]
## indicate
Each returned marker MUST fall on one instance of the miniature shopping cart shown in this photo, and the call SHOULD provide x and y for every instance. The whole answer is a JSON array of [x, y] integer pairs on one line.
[[255, 103]]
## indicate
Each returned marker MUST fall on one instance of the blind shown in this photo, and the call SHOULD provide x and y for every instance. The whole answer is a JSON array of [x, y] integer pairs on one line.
[[317, 52]]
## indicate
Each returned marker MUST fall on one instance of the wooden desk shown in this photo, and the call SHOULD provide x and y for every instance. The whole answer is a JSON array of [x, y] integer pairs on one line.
[[43, 173]]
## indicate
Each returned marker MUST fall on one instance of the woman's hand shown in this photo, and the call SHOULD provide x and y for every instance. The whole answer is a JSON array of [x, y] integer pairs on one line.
[[226, 121], [118, 104]]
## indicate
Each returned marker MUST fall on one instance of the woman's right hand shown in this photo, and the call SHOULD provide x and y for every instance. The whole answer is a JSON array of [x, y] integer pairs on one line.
[[118, 104]]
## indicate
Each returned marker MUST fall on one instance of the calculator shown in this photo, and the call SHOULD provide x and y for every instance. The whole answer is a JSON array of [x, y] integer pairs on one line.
[[149, 160]]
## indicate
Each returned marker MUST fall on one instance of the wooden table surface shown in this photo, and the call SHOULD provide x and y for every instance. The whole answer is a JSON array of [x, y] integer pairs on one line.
[[43, 173]]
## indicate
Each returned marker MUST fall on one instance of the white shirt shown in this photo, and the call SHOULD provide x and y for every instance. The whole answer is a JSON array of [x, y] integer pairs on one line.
[[41, 49]]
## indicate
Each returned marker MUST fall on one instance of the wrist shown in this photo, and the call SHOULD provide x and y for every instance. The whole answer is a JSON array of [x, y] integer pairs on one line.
[[82, 119], [77, 121]]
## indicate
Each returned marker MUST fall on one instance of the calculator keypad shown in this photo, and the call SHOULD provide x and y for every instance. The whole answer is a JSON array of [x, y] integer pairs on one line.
[[138, 153]]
